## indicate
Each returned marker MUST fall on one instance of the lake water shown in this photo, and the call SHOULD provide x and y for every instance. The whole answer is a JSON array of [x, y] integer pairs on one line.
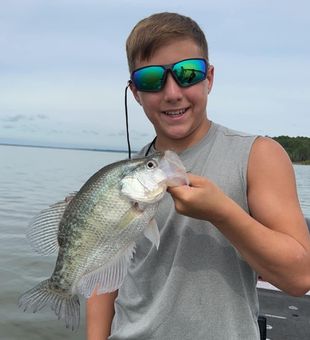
[[30, 180]]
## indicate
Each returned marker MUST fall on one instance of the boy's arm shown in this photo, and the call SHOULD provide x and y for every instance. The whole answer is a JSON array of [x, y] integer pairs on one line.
[[99, 315], [274, 238]]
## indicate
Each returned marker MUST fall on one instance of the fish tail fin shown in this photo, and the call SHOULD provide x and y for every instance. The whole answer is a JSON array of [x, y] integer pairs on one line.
[[65, 306]]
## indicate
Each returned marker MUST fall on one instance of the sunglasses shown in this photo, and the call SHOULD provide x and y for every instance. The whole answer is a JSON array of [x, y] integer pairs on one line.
[[186, 73]]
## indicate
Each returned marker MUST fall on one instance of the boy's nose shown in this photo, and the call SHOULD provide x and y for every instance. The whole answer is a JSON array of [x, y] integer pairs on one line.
[[172, 91]]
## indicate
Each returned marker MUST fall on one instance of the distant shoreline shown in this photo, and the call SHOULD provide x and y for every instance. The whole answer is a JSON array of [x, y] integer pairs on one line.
[[306, 162], [64, 147], [302, 162]]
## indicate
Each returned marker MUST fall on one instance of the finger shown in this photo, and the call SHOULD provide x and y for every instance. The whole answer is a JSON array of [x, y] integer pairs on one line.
[[180, 191], [196, 181]]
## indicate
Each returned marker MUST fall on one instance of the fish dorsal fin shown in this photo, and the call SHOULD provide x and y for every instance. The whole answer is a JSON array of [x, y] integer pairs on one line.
[[43, 230], [151, 232], [107, 278]]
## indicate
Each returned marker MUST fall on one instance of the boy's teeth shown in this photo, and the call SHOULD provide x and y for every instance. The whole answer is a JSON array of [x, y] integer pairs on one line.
[[174, 113]]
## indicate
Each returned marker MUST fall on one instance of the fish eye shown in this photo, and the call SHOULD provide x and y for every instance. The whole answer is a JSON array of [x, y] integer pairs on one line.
[[151, 164]]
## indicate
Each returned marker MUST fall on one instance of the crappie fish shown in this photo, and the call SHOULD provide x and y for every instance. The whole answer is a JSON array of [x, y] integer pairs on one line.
[[95, 231]]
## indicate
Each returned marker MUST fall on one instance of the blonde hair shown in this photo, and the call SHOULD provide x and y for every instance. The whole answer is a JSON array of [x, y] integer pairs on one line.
[[159, 29]]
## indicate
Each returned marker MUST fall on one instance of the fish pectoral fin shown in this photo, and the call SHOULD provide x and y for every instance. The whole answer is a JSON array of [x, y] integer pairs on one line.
[[130, 216], [151, 232], [43, 231], [109, 277]]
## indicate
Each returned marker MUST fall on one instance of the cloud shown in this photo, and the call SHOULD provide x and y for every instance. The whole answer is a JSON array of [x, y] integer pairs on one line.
[[133, 133], [14, 118], [120, 133], [90, 132], [139, 134], [23, 118]]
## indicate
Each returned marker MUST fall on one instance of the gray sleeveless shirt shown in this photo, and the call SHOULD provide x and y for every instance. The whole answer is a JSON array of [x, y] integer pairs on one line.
[[196, 286]]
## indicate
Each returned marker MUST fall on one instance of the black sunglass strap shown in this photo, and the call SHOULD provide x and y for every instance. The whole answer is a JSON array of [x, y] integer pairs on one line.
[[127, 127], [150, 146], [127, 124]]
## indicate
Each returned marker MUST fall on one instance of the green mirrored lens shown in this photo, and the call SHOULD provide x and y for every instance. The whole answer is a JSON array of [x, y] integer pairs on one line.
[[189, 72], [186, 72], [149, 78]]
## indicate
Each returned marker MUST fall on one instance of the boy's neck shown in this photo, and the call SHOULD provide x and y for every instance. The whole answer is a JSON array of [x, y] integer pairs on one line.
[[162, 143]]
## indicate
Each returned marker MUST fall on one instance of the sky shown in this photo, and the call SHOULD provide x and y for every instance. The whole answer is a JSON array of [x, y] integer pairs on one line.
[[63, 68]]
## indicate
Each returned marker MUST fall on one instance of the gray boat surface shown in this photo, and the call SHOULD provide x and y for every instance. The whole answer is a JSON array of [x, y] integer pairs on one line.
[[286, 317]]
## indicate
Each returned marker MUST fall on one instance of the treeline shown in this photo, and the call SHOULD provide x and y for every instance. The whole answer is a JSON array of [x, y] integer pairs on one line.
[[298, 148]]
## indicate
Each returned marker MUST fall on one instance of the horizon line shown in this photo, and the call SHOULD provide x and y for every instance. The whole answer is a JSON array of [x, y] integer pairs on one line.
[[66, 147]]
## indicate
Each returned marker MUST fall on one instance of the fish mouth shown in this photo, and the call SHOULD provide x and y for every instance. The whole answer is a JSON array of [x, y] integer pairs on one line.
[[175, 112], [174, 169], [150, 185]]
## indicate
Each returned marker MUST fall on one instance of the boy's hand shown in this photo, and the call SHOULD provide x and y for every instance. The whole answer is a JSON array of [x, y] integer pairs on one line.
[[200, 199]]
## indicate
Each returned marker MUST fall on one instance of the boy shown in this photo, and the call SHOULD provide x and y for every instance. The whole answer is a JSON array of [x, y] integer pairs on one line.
[[239, 216]]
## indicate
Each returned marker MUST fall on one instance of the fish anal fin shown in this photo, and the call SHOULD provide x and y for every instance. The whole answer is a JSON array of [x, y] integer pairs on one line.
[[109, 277]]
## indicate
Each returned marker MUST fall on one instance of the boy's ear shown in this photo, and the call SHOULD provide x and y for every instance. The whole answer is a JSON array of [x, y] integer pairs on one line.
[[135, 92], [210, 77]]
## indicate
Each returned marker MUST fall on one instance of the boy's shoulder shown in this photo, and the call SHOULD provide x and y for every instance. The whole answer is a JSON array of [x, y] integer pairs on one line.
[[221, 129], [217, 131]]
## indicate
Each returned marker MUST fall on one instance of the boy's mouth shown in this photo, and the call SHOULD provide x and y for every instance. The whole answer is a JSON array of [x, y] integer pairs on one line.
[[175, 112]]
